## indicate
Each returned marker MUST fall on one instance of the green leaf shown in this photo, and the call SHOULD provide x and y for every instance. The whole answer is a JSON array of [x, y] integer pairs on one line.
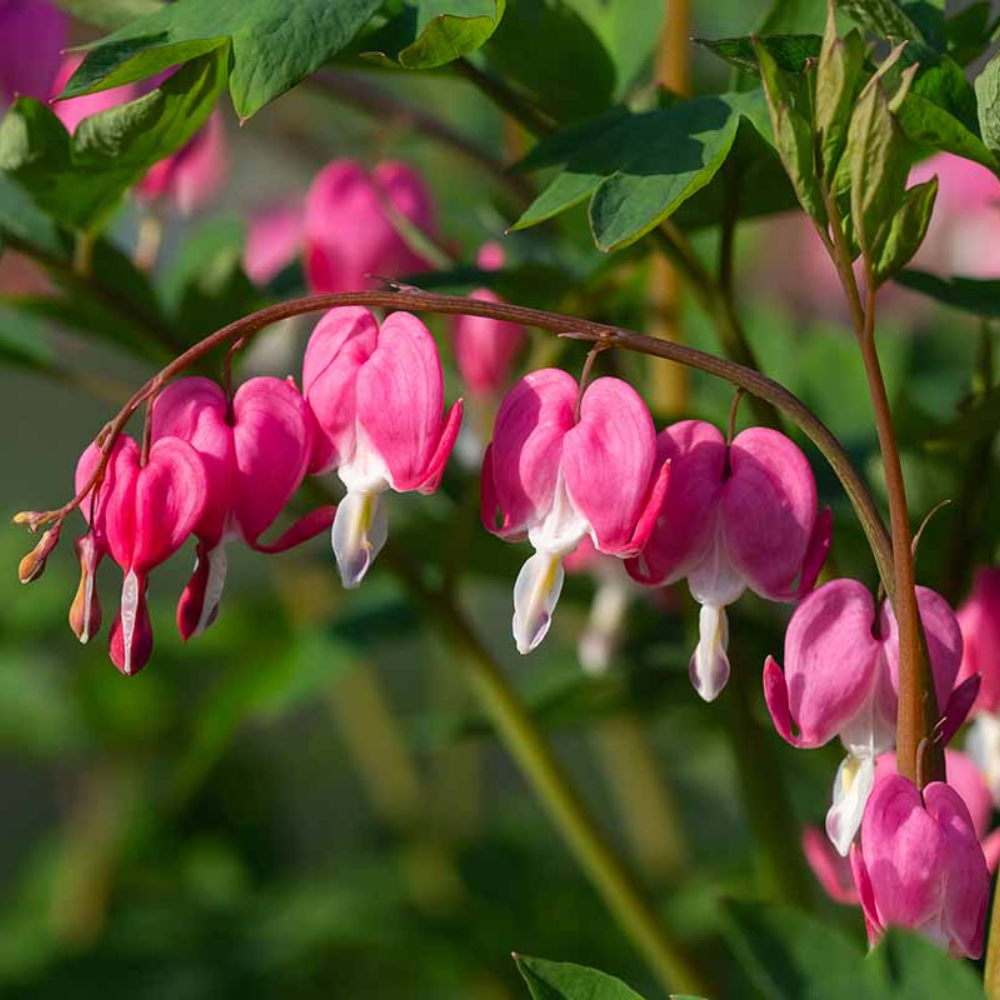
[[978, 296], [565, 981], [906, 232], [789, 52], [80, 179], [988, 95], [968, 32], [22, 341], [109, 15], [792, 956], [25, 226], [269, 47], [838, 77], [435, 32], [557, 81], [914, 969], [884, 18], [791, 16]]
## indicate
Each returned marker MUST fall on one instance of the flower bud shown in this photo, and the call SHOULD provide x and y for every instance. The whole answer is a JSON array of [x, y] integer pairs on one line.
[[32, 566], [85, 611]]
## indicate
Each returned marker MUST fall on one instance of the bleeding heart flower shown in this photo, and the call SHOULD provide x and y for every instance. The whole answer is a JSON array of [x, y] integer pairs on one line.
[[74, 110], [255, 455], [142, 515], [920, 865], [274, 239], [32, 38], [378, 399], [979, 618], [192, 176], [841, 678], [353, 221], [737, 516], [555, 478]]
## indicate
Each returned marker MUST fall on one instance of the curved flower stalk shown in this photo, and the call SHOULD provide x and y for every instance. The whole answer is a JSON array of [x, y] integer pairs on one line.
[[377, 395], [350, 233], [841, 678], [33, 34], [919, 865], [834, 872], [739, 515], [255, 451], [143, 514], [556, 477]]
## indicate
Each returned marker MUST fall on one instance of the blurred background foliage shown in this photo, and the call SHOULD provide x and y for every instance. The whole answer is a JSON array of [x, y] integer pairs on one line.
[[305, 801]]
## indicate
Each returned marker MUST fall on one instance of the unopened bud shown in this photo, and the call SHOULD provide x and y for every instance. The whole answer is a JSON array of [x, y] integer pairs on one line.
[[29, 517], [85, 611], [32, 566]]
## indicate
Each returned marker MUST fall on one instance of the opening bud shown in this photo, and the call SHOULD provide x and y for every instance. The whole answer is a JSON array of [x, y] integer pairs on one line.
[[32, 566], [85, 611]]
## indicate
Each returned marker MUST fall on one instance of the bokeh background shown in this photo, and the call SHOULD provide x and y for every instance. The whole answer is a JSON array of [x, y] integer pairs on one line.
[[306, 802]]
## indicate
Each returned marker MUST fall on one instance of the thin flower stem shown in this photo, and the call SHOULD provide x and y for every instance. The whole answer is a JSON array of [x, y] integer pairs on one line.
[[991, 975], [534, 120], [570, 326]]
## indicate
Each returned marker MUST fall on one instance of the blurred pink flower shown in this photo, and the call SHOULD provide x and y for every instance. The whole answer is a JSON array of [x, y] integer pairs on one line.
[[33, 34], [275, 238], [73, 111]]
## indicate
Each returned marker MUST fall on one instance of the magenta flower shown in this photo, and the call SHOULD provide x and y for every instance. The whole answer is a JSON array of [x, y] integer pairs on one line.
[[73, 111], [377, 396], [353, 221], [920, 865], [143, 514], [841, 678], [738, 515], [274, 239], [484, 348], [555, 477], [32, 36], [193, 176], [255, 455]]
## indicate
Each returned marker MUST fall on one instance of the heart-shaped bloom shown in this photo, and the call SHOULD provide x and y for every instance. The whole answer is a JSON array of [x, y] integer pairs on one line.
[[146, 513], [274, 239], [192, 176], [485, 348], [377, 395], [32, 38], [255, 454], [738, 515], [979, 618], [841, 678], [919, 865], [555, 478], [353, 221]]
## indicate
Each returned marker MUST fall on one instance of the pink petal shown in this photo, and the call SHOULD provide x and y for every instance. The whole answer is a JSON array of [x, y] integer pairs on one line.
[[274, 239], [124, 457], [195, 409], [452, 424], [830, 664], [831, 870], [344, 339], [305, 528], [73, 111], [608, 462], [816, 553], [131, 638], [522, 464], [979, 618], [682, 535], [866, 892], [491, 256], [406, 192], [273, 440], [956, 712], [769, 511], [33, 34], [485, 349]]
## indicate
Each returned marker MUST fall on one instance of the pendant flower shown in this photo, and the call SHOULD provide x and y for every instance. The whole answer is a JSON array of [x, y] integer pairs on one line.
[[841, 678], [255, 455], [556, 478], [739, 515], [377, 396], [920, 865], [143, 514]]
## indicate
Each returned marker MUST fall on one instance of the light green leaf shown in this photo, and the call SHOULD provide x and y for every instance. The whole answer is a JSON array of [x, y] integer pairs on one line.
[[109, 15], [789, 52], [884, 18], [269, 47], [988, 95], [565, 981], [80, 179], [838, 80], [906, 232]]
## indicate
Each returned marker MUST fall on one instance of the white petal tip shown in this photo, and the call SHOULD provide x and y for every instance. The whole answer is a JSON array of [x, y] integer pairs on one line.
[[709, 665], [360, 529], [536, 594], [853, 785]]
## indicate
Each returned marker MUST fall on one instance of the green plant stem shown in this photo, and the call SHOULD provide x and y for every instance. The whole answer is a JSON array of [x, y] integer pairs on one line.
[[991, 974], [535, 121], [554, 788]]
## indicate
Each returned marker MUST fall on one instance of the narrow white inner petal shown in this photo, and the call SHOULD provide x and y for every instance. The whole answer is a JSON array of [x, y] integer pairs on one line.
[[983, 745], [562, 527], [536, 594], [868, 734], [88, 603], [709, 666], [218, 565], [715, 580], [365, 471], [599, 639], [129, 611], [360, 529], [855, 778]]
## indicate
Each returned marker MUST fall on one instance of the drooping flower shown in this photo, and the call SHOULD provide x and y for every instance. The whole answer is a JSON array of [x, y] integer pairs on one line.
[[739, 515], [919, 865], [33, 34], [147, 512], [353, 221], [485, 348], [841, 678], [274, 239], [377, 395], [555, 477], [255, 454]]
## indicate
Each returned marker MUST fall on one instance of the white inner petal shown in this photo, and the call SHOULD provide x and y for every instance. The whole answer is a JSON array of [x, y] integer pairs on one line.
[[365, 471], [715, 580], [868, 733], [129, 611], [562, 527], [709, 666], [855, 778], [360, 529], [536, 594], [218, 565], [88, 604]]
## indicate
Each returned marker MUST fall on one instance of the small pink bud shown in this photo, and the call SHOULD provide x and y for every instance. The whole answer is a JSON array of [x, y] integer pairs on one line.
[[32, 566]]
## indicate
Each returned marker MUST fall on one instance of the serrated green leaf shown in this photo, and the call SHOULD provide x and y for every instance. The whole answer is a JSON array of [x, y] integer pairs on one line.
[[906, 231], [79, 179], [435, 32], [988, 95], [979, 296], [271, 47], [884, 18], [914, 969], [789, 52], [566, 981]]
